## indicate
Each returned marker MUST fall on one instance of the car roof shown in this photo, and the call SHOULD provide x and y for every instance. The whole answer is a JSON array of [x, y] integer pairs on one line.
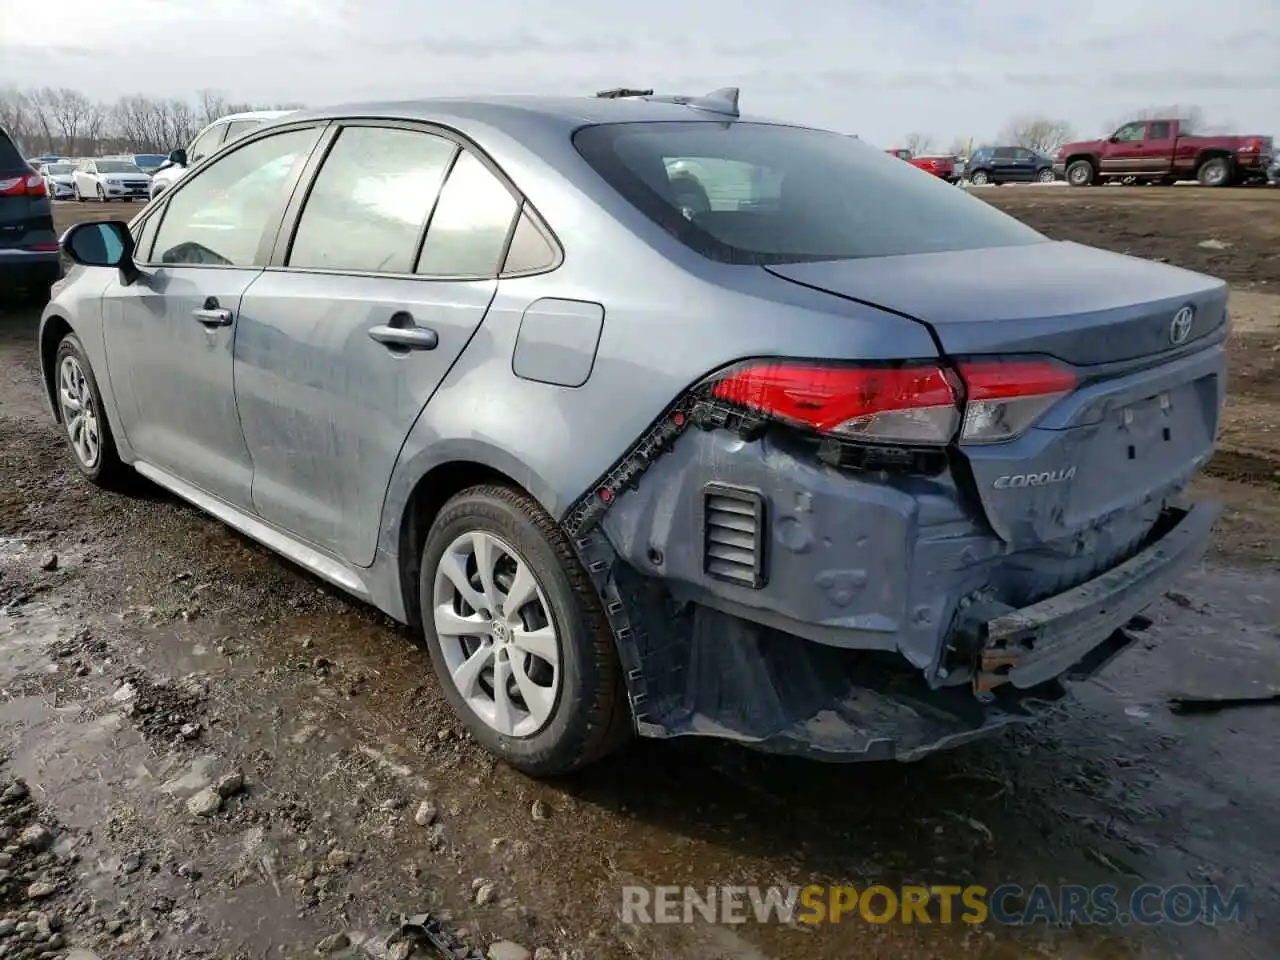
[[515, 112], [253, 115]]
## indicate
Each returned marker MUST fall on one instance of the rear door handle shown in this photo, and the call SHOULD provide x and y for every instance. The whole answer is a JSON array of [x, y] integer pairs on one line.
[[405, 338], [213, 316]]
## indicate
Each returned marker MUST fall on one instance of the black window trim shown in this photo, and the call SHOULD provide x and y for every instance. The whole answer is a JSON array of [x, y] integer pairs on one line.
[[267, 240], [288, 227]]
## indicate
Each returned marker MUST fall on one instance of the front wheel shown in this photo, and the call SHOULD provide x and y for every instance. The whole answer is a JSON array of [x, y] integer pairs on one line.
[[979, 178], [76, 191], [83, 421], [1046, 176], [1080, 173], [517, 635], [102, 194]]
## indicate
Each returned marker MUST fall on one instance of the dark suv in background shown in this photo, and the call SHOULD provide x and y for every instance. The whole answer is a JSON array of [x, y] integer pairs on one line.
[[29, 258], [1009, 165]]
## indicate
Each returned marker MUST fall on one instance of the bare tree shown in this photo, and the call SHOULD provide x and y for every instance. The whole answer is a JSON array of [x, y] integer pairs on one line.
[[17, 115], [960, 147], [1042, 134], [918, 143], [65, 121]]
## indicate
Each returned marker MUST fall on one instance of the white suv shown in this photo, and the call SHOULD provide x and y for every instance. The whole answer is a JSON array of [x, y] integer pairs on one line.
[[208, 141]]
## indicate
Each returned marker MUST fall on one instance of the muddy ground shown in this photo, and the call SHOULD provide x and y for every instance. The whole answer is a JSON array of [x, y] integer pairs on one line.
[[148, 656]]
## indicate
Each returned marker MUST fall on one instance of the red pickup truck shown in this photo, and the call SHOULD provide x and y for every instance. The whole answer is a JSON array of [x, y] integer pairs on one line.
[[940, 166], [1155, 151]]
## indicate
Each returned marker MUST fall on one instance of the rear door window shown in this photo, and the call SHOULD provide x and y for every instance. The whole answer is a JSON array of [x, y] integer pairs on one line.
[[756, 193], [1159, 131], [471, 225], [371, 200]]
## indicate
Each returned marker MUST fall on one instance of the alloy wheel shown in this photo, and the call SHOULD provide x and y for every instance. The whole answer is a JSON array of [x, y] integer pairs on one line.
[[79, 412], [496, 633]]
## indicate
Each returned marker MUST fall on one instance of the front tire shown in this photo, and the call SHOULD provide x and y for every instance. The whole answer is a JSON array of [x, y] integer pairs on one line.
[[1046, 176], [1081, 174], [979, 178], [517, 635], [76, 191], [102, 194], [84, 423]]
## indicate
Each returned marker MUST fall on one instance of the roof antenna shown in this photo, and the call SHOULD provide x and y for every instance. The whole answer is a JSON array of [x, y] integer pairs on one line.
[[724, 100]]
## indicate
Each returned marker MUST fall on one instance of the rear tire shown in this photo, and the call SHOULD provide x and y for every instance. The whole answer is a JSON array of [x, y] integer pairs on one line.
[[76, 392], [589, 715], [1081, 174], [1214, 172]]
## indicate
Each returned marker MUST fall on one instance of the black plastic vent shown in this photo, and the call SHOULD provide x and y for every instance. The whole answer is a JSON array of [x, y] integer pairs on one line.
[[733, 525]]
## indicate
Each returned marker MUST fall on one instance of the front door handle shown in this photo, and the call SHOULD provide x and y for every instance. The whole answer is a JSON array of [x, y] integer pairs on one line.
[[212, 315], [405, 338]]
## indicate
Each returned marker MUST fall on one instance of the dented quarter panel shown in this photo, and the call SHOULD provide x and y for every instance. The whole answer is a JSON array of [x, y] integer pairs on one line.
[[865, 562], [657, 340]]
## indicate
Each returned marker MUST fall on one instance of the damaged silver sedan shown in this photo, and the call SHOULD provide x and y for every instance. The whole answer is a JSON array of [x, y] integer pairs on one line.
[[656, 418]]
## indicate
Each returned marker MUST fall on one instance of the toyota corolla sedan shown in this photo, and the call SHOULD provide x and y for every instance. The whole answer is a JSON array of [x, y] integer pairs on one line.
[[808, 450]]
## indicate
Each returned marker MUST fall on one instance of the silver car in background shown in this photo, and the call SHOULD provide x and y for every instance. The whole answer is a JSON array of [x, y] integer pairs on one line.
[[222, 131], [59, 179], [655, 418]]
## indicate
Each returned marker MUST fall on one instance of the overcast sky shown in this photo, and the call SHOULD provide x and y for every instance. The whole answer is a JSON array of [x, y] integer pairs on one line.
[[878, 68]]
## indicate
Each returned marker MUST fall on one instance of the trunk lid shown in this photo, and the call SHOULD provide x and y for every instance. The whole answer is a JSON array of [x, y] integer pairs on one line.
[[1146, 412]]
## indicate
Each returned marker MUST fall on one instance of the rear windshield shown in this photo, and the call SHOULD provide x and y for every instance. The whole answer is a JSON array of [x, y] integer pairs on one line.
[[10, 159], [761, 193]]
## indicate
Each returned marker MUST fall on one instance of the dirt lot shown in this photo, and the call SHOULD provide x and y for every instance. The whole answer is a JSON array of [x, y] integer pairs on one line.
[[148, 656]]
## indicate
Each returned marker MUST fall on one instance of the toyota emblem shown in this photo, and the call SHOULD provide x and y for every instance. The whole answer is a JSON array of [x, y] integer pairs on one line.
[[1180, 328]]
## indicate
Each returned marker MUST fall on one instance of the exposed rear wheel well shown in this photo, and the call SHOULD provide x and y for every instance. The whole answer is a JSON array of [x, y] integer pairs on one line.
[[54, 330], [1207, 155], [430, 494]]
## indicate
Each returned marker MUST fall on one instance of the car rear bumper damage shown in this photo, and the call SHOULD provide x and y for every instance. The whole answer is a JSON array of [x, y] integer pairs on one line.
[[1040, 642], [879, 620]]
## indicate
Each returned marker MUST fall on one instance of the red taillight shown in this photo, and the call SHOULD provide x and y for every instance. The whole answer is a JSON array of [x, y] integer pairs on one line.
[[1004, 398], [27, 185], [43, 247], [906, 404], [1253, 145]]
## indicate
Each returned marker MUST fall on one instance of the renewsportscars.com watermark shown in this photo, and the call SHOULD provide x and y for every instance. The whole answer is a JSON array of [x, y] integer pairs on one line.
[[1008, 904]]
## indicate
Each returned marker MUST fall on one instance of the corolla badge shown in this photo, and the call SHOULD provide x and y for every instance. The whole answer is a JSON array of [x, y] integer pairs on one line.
[[1016, 480], [1180, 327]]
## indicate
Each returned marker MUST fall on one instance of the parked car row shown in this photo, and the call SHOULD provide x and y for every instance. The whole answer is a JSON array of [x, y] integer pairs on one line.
[[1140, 152]]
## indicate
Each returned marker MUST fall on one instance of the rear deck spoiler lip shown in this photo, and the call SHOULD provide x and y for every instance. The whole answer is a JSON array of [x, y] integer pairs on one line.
[[1065, 628]]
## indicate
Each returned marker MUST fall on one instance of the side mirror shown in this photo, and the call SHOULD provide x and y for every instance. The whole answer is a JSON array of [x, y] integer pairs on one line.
[[178, 157], [1113, 139], [101, 243]]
